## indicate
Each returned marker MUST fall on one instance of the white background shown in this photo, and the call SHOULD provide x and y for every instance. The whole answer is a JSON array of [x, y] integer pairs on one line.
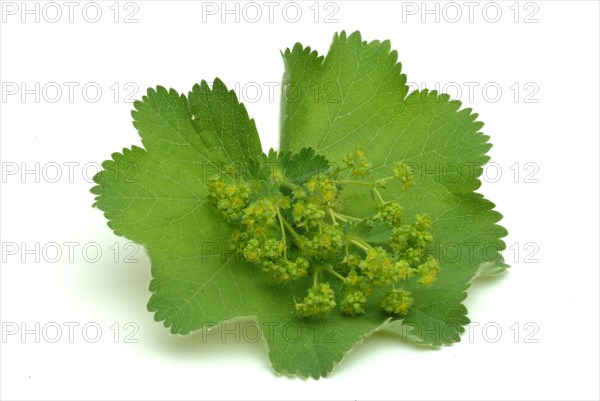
[[551, 211]]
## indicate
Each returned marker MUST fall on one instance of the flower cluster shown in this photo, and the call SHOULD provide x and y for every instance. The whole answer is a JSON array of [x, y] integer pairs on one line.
[[229, 198], [320, 300], [403, 173], [390, 212], [321, 245], [397, 302], [294, 229], [358, 163], [287, 270], [312, 201]]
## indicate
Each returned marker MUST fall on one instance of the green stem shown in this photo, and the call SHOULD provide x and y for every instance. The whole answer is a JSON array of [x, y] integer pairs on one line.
[[368, 184], [362, 245], [279, 178], [287, 184], [290, 228], [384, 179], [335, 223], [282, 232], [378, 195], [344, 220], [346, 217], [336, 274], [347, 168]]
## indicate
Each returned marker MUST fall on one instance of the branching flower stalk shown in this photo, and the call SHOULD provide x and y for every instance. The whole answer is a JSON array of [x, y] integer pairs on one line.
[[295, 227]]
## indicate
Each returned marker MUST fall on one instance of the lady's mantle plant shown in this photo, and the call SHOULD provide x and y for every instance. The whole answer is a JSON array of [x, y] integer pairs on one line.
[[365, 220]]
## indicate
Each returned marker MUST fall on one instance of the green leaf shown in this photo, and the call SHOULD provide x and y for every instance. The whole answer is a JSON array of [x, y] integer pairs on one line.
[[296, 167], [372, 232], [361, 100], [299, 167], [157, 197]]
